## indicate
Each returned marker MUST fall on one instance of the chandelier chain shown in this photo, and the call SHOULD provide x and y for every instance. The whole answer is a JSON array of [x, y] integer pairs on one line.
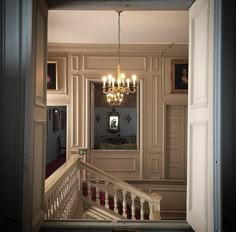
[[115, 89], [119, 36]]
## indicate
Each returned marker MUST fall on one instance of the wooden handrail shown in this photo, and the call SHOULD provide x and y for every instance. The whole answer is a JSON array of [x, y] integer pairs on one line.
[[114, 180]]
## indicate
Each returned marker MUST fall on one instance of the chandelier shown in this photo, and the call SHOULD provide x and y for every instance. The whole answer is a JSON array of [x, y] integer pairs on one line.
[[116, 88]]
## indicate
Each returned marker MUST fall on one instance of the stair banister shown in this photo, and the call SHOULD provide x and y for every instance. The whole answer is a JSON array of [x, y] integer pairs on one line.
[[61, 192], [152, 200]]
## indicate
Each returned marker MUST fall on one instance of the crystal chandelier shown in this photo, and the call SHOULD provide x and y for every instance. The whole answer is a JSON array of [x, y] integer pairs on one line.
[[116, 88]]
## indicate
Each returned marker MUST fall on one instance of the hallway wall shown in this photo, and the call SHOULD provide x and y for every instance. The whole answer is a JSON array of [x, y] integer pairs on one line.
[[80, 65]]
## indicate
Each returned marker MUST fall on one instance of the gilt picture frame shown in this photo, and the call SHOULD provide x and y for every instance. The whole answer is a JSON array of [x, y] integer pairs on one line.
[[179, 74]]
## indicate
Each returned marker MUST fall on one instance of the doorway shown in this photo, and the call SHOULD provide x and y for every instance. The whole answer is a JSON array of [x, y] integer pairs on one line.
[[196, 131]]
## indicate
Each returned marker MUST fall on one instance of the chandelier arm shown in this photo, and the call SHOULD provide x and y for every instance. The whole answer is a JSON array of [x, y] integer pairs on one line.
[[133, 91]]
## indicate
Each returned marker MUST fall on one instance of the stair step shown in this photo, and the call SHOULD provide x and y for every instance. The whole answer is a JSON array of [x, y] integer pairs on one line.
[[109, 226]]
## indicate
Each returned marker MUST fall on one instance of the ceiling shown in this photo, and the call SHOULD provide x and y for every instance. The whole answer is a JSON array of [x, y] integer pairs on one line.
[[124, 5], [101, 27], [95, 21]]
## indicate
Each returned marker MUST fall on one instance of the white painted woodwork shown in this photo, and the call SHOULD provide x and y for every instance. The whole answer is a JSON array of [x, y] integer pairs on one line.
[[200, 128], [86, 64], [39, 113], [118, 190], [175, 140], [107, 63], [61, 192], [119, 163]]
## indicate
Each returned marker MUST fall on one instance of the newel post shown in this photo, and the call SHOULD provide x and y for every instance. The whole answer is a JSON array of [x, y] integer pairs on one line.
[[156, 202]]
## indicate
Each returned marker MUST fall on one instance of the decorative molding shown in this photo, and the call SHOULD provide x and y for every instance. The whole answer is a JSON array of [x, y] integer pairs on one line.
[[198, 82], [105, 63], [198, 135], [75, 63], [155, 63], [152, 49], [75, 112], [38, 173], [118, 162]]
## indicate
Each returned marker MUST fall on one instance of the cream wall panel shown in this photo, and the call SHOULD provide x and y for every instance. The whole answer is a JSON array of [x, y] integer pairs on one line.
[[153, 112], [75, 109], [173, 202], [173, 192], [116, 164], [155, 63], [75, 63], [62, 78], [86, 65], [175, 141], [122, 164], [154, 165], [78, 124], [153, 129], [110, 63]]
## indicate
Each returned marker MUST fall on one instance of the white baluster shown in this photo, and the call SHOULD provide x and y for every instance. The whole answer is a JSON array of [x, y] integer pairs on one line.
[[133, 207], [151, 216], [48, 208], [124, 204], [106, 195], [156, 198], [142, 209], [115, 201], [51, 206], [45, 210], [97, 192]]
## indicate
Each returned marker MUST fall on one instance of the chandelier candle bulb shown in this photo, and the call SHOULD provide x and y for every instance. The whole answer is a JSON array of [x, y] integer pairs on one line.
[[128, 80], [122, 78], [109, 78], [104, 81], [134, 79]]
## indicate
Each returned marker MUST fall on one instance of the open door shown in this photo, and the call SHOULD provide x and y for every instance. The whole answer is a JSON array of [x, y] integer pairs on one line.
[[36, 119], [200, 117]]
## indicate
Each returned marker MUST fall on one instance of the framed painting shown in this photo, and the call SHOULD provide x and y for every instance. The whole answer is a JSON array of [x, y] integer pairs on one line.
[[179, 71], [113, 121], [52, 75]]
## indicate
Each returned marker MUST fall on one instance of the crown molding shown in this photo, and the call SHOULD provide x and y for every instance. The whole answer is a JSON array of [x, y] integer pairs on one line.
[[153, 49]]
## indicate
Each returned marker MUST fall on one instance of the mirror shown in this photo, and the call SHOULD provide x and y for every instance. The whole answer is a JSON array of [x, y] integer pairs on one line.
[[113, 127], [113, 121]]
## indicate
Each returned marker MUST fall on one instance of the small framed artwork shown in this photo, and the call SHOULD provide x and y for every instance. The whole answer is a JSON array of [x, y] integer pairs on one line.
[[113, 121], [52, 75], [179, 71]]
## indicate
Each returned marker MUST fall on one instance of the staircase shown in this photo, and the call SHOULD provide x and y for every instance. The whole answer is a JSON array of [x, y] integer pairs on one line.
[[101, 195]]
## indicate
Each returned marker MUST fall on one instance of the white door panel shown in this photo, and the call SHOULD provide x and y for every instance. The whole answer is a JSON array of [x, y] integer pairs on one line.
[[200, 118]]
